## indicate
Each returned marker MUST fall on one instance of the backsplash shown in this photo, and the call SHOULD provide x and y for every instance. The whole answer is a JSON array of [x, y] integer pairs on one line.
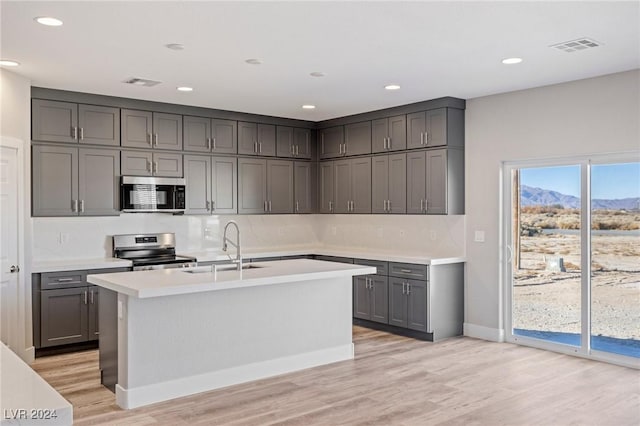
[[90, 237]]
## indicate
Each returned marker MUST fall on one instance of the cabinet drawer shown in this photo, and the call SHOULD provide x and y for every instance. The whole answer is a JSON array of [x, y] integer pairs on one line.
[[67, 279], [408, 270], [382, 266]]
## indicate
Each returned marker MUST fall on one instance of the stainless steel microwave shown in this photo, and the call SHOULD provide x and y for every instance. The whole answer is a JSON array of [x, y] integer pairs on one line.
[[140, 194]]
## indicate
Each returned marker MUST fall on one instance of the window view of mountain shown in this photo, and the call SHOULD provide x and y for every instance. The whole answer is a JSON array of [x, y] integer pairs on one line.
[[531, 196]]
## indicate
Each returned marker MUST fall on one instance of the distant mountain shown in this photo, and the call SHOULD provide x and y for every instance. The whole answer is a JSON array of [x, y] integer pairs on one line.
[[544, 197]]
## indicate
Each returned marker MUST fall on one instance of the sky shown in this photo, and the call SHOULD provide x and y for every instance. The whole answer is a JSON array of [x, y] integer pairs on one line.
[[608, 181]]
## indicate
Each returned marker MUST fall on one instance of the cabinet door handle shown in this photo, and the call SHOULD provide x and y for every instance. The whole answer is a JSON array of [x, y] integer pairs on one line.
[[389, 206], [421, 138], [406, 271], [209, 144], [85, 297], [353, 206], [208, 206], [269, 205], [74, 206], [149, 166], [408, 289], [297, 206], [155, 166], [330, 206], [81, 133], [255, 146], [265, 206], [213, 205], [403, 289], [297, 150], [421, 206], [150, 138], [214, 144], [344, 149], [389, 142], [426, 138], [426, 205], [92, 297], [64, 280], [155, 140], [74, 132], [81, 206], [260, 147]]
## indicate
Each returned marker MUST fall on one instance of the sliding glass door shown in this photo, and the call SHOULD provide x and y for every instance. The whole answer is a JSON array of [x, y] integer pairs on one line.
[[572, 245]]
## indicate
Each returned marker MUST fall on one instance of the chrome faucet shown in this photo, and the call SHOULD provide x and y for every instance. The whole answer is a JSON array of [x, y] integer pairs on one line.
[[226, 241]]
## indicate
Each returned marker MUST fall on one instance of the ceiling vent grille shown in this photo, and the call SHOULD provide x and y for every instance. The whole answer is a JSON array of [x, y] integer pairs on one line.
[[141, 82], [576, 45]]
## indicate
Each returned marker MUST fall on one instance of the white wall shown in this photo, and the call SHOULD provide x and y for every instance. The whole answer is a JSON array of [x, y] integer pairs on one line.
[[598, 115], [15, 110]]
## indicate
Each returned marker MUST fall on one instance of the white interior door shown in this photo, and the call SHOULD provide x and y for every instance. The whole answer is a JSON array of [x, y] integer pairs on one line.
[[9, 249]]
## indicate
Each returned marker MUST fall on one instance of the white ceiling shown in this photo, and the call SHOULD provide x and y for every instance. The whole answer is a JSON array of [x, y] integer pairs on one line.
[[432, 49]]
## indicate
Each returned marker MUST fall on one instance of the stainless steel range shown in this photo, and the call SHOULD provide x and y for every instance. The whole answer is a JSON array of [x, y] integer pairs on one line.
[[150, 251]]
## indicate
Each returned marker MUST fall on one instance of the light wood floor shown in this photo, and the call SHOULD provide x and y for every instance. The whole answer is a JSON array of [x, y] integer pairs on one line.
[[393, 380]]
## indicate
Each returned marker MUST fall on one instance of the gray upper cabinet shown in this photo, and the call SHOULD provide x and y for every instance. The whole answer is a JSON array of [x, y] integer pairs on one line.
[[435, 182], [210, 135], [224, 185], [265, 186], [389, 134], [211, 184], [55, 180], [252, 188], [331, 142], [98, 182], [280, 191], [305, 183], [147, 163], [197, 175], [256, 139], [437, 127], [389, 184], [144, 129], [352, 186], [54, 121], [357, 138], [293, 142], [325, 190], [75, 181]]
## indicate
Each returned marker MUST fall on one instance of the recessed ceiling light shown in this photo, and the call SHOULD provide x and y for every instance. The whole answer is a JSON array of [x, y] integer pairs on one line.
[[253, 61], [48, 20], [8, 63], [308, 107], [317, 74], [185, 89], [174, 46], [392, 87], [511, 61]]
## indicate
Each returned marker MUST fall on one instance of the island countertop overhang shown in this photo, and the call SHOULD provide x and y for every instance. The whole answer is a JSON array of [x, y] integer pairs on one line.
[[170, 282]]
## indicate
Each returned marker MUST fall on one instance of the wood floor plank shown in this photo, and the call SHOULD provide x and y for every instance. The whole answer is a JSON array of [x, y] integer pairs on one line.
[[393, 380]]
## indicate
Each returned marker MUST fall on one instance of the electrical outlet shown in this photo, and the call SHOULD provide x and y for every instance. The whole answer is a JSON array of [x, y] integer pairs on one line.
[[479, 237], [433, 235]]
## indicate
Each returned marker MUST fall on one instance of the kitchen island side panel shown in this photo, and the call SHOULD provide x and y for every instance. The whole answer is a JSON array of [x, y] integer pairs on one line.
[[183, 344]]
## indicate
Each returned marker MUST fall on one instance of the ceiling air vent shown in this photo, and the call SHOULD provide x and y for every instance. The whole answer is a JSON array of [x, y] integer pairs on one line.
[[576, 45], [141, 82]]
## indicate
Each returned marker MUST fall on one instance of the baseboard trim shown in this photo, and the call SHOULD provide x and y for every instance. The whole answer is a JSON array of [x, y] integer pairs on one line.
[[482, 332], [158, 392]]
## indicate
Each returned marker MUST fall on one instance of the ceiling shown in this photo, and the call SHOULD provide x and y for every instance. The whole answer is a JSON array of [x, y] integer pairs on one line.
[[431, 49]]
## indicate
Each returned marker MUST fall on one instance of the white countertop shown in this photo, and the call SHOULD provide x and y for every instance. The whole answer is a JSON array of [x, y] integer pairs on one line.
[[168, 282], [23, 389], [216, 255], [78, 264]]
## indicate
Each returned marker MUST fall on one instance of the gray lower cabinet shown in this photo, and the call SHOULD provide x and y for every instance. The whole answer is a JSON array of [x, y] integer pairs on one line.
[[293, 142], [408, 303], [389, 184], [331, 142], [265, 186], [304, 184], [211, 184], [326, 175], [71, 181], [256, 139], [436, 127], [370, 298], [54, 121], [146, 129], [149, 163], [210, 135], [65, 307], [389, 134], [352, 186], [435, 182]]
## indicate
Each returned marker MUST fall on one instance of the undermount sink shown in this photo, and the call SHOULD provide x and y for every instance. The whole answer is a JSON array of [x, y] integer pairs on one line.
[[223, 267]]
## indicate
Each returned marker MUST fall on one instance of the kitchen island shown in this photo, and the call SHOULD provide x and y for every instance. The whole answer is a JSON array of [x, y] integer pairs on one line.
[[173, 332]]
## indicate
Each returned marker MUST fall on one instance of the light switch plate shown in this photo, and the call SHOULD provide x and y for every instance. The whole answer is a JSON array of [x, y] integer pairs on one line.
[[479, 237]]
